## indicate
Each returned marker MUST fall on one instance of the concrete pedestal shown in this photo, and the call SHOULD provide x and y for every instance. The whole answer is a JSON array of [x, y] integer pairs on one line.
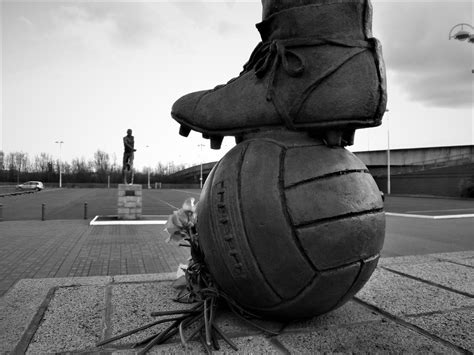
[[129, 201]]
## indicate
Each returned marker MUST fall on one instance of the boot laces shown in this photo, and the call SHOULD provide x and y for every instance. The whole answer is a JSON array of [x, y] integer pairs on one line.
[[268, 56]]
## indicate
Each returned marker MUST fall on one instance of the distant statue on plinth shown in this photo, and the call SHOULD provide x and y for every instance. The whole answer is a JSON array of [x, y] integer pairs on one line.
[[128, 155]]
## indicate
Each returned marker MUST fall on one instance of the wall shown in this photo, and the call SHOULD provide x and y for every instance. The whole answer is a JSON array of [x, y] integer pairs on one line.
[[451, 181], [415, 155]]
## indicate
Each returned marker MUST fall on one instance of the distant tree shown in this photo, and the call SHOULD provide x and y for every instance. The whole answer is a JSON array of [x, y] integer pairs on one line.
[[67, 168], [80, 169], [16, 162], [42, 162], [160, 168], [2, 160], [101, 162]]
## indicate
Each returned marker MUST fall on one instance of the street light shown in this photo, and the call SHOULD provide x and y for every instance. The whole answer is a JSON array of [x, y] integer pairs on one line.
[[60, 170], [148, 168], [388, 155], [200, 178], [462, 34]]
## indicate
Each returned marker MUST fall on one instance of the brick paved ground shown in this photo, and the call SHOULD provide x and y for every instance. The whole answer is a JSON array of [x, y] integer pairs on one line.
[[63, 248]]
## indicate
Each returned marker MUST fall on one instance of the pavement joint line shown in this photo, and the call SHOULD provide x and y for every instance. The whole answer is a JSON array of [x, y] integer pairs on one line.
[[425, 314], [431, 283], [107, 318], [456, 263], [27, 337], [412, 327], [277, 344], [452, 216]]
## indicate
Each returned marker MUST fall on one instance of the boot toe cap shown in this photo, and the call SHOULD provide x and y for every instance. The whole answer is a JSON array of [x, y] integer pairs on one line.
[[184, 108]]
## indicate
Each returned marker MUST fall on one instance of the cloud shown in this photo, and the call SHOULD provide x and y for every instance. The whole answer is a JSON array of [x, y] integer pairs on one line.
[[129, 24], [225, 28], [430, 68], [26, 21], [198, 12]]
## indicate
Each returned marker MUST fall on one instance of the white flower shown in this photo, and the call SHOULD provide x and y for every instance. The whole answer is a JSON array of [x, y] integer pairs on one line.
[[181, 221]]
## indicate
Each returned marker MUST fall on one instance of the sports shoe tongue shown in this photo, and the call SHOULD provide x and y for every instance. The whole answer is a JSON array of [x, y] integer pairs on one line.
[[332, 19]]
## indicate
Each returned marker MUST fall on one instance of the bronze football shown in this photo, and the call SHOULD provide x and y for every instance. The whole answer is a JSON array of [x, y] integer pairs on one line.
[[290, 228]]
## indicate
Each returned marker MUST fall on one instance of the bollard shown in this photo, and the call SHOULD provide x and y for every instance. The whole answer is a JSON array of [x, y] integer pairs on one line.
[[42, 211], [1, 212], [85, 210]]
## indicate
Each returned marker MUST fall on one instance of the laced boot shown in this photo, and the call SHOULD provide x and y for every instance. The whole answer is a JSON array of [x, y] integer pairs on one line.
[[318, 69]]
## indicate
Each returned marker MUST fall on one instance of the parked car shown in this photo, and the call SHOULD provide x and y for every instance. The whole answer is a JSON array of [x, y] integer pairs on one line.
[[31, 185]]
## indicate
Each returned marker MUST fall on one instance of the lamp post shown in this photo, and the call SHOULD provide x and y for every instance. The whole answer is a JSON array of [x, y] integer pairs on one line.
[[148, 168], [200, 178], [462, 34], [60, 170], [388, 155]]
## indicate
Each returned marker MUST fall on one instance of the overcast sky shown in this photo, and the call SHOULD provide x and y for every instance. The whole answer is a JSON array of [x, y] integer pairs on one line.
[[84, 72]]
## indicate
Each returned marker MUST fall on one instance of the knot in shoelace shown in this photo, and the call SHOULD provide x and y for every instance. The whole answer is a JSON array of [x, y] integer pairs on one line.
[[268, 56]]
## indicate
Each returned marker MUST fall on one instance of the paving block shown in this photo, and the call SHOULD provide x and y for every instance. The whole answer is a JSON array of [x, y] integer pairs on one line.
[[456, 327], [400, 295], [411, 259], [457, 277], [73, 321], [233, 326], [376, 337], [20, 304], [170, 276], [463, 257], [132, 305], [245, 345], [349, 313]]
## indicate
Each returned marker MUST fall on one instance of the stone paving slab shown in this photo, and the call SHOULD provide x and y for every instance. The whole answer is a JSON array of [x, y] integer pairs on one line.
[[376, 337], [454, 276], [465, 258], [246, 345], [83, 306], [456, 327], [132, 305], [350, 313], [402, 296], [393, 313], [21, 303]]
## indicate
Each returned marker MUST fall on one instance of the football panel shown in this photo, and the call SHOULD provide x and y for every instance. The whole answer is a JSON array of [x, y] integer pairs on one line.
[[366, 270], [306, 163], [343, 241], [212, 250], [333, 197], [270, 236], [320, 296], [228, 255]]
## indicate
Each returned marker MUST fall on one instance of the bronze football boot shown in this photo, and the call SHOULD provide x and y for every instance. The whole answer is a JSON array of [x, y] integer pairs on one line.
[[318, 69]]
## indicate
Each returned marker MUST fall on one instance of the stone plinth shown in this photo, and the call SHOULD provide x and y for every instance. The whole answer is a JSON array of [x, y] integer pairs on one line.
[[129, 201]]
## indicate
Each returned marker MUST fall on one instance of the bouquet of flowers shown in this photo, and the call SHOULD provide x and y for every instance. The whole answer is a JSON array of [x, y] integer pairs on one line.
[[199, 289]]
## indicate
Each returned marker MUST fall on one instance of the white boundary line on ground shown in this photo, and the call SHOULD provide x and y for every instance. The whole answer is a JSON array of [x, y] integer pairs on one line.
[[188, 192], [456, 209], [449, 216], [94, 222]]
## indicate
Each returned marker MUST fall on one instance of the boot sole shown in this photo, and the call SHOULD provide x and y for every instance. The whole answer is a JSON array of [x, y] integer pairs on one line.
[[333, 134]]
